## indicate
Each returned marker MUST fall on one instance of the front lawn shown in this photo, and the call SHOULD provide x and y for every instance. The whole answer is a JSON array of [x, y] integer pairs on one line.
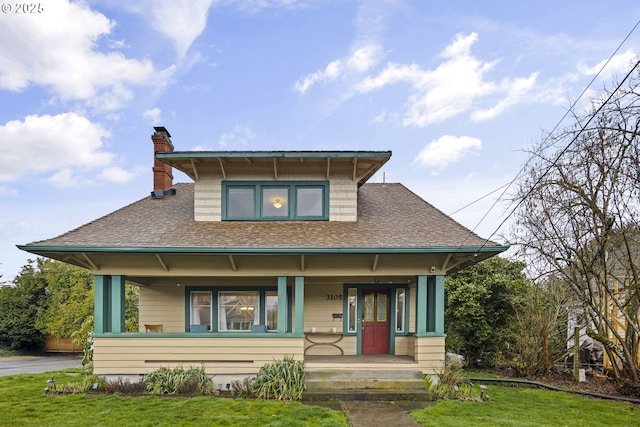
[[525, 406], [23, 402]]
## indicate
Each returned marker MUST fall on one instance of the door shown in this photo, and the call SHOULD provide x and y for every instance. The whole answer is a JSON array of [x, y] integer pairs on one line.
[[375, 322]]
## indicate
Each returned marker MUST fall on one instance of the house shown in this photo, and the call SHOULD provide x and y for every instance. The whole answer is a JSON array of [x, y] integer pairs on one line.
[[266, 255]]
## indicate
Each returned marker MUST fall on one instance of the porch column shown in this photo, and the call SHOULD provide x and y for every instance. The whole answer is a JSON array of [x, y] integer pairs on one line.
[[108, 304], [282, 304], [100, 303], [435, 305], [421, 306], [299, 327], [117, 305]]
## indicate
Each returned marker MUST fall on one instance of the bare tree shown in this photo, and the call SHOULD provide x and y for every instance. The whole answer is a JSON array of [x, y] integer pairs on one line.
[[578, 217]]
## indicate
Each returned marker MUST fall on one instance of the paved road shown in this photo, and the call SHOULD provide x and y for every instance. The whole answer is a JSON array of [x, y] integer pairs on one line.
[[37, 364]]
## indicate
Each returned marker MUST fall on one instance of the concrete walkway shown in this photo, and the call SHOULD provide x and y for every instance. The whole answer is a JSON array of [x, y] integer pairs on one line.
[[369, 414], [38, 364]]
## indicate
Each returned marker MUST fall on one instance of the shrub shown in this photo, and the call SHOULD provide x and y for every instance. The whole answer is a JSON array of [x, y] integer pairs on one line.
[[124, 386], [452, 384], [281, 380], [178, 381], [88, 383], [241, 388]]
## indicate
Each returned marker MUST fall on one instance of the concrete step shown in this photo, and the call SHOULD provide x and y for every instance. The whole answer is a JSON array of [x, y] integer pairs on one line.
[[365, 386], [366, 396]]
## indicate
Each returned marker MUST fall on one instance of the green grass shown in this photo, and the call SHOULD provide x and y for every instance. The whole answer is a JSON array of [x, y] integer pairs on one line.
[[519, 406], [23, 403]]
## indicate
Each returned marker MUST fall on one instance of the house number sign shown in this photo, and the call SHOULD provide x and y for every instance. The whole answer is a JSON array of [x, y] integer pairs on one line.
[[333, 297]]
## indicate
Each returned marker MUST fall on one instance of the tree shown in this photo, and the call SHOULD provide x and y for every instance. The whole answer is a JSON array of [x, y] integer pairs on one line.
[[481, 303], [579, 206], [19, 308]]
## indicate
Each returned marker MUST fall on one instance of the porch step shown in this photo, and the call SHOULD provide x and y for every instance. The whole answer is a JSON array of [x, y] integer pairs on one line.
[[364, 385]]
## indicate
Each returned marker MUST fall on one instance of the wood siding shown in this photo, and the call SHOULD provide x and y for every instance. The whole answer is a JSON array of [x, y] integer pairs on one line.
[[162, 305], [342, 189], [139, 355]]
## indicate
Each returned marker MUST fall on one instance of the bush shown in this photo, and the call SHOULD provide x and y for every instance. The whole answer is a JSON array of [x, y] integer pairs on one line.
[[178, 381], [88, 383], [453, 385], [124, 386], [281, 380]]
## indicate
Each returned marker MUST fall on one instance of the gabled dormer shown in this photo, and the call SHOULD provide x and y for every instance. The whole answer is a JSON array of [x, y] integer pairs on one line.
[[268, 185]]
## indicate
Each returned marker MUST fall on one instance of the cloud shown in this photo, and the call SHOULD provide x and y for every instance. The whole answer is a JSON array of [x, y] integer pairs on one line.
[[617, 64], [239, 136], [446, 150], [517, 89], [7, 191], [153, 115], [58, 50], [60, 144], [180, 21], [118, 175], [358, 62]]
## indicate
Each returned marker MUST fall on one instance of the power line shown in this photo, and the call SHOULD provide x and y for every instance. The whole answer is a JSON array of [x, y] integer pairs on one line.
[[543, 145]]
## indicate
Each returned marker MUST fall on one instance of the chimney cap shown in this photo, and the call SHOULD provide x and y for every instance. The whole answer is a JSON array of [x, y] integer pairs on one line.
[[162, 129]]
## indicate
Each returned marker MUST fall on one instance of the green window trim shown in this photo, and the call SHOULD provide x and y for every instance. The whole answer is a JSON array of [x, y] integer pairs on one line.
[[289, 200], [356, 290], [262, 292]]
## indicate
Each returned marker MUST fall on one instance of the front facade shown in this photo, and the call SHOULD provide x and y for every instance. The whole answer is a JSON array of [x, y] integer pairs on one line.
[[267, 255]]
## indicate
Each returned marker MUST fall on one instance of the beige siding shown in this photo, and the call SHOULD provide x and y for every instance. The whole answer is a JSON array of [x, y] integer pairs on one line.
[[429, 353], [162, 305], [405, 346], [342, 188], [139, 355], [319, 308]]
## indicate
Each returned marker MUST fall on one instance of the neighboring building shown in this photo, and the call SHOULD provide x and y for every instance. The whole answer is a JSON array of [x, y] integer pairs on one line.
[[265, 254]]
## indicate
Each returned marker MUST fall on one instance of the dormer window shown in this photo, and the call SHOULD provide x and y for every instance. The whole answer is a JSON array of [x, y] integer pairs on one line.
[[275, 201]]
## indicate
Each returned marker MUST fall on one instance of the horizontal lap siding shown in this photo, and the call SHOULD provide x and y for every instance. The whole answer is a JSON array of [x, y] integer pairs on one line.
[[120, 356], [429, 353], [162, 305]]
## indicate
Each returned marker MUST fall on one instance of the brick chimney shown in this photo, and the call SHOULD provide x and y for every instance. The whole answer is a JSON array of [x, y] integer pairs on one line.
[[162, 172]]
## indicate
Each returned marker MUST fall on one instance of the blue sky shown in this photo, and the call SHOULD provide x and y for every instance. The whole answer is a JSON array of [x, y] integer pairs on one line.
[[457, 90]]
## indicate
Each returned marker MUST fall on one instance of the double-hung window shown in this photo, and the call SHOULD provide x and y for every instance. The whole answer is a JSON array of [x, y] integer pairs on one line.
[[277, 200], [227, 310]]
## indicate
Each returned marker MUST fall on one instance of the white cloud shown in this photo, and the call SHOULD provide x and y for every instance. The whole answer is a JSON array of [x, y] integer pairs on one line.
[[446, 150], [58, 50], [452, 87], [65, 179], [618, 64], [43, 144], [360, 61], [180, 21], [239, 136], [118, 175], [152, 115]]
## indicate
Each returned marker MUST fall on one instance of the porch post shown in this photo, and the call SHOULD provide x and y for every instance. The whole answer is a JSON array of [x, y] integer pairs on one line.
[[439, 305], [99, 300], [117, 305], [282, 304], [299, 327], [421, 306]]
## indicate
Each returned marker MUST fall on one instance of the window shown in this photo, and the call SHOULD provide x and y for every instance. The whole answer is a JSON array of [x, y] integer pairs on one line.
[[238, 311], [211, 309], [295, 200], [201, 310], [352, 310], [400, 309]]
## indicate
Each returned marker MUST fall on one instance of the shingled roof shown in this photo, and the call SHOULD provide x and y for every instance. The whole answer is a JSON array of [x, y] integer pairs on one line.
[[389, 217]]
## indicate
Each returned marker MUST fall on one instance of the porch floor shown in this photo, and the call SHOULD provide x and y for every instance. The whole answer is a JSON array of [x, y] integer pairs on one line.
[[362, 361]]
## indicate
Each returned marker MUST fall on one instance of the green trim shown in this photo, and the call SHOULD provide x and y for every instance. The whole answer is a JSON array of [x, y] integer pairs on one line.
[[261, 290], [439, 305], [199, 335], [99, 301], [290, 187], [421, 305], [254, 251], [299, 301], [282, 303], [117, 305], [271, 154]]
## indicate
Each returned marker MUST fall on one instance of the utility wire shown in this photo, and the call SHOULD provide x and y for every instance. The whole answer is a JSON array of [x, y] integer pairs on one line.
[[564, 150], [542, 147]]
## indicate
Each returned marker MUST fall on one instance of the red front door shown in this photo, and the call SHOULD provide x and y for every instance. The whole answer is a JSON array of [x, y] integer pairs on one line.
[[375, 322]]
